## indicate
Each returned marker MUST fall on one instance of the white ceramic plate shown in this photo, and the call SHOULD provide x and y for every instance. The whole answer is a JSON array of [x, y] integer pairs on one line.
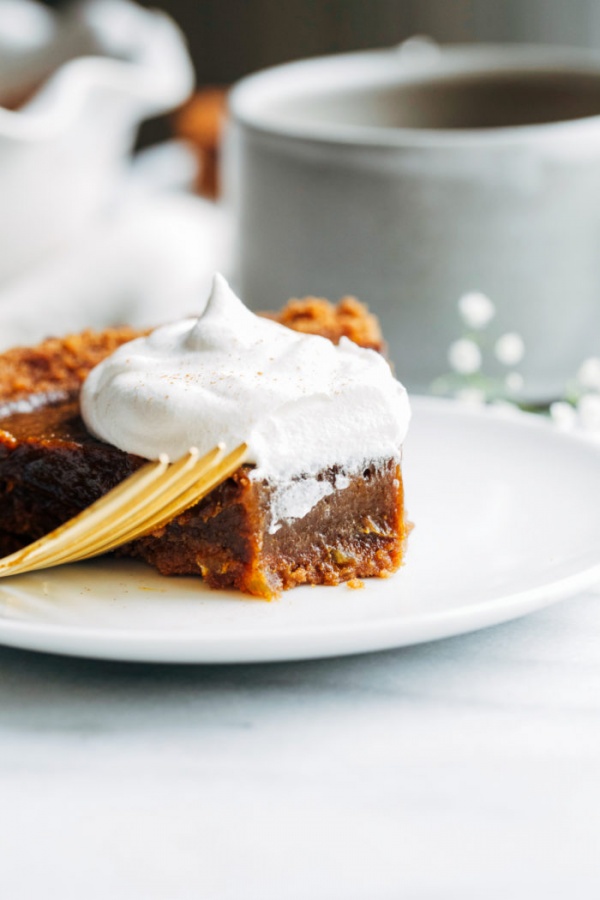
[[507, 520]]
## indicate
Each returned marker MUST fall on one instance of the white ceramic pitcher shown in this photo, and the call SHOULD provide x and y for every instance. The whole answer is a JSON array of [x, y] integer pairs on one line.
[[89, 77]]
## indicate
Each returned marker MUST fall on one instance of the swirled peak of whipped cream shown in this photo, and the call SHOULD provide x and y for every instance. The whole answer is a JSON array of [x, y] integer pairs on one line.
[[300, 402]]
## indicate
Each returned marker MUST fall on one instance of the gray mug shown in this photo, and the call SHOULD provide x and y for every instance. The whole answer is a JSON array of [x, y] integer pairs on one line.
[[410, 178]]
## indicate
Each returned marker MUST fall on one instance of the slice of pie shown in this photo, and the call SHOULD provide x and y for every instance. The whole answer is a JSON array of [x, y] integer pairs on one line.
[[269, 527]]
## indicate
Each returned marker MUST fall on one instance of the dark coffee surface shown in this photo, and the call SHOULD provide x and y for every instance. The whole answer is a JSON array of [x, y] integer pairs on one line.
[[481, 100]]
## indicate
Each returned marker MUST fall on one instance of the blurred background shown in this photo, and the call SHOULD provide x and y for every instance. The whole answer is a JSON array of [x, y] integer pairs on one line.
[[229, 38]]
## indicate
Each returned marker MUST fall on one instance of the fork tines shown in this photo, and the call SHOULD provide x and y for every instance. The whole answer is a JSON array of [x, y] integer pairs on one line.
[[144, 502]]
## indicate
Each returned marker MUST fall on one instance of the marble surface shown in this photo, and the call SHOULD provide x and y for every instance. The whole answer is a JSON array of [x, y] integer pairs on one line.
[[462, 769]]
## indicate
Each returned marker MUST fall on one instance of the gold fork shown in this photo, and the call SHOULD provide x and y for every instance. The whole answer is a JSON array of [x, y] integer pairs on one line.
[[144, 502]]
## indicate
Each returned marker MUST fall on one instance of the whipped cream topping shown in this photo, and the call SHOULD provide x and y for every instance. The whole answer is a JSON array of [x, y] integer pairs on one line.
[[301, 403]]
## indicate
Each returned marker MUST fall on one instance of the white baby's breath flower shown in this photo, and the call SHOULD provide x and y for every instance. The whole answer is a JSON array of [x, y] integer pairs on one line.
[[588, 408], [588, 374], [464, 356], [476, 309], [510, 349], [563, 415], [514, 382]]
